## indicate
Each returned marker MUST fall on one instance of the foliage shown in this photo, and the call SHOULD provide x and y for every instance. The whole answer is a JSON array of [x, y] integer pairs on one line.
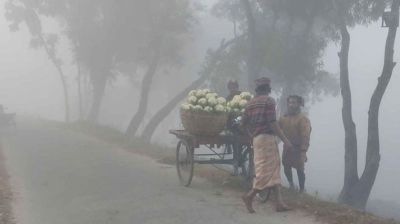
[[21, 13], [289, 51], [292, 37], [105, 35]]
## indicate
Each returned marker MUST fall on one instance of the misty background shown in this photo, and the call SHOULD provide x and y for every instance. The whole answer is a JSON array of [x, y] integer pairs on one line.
[[29, 86]]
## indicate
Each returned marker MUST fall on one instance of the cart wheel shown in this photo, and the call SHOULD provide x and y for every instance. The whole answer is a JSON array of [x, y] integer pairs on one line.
[[247, 167], [184, 162]]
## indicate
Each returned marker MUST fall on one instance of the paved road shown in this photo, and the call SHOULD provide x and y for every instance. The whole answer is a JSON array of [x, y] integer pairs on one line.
[[61, 177]]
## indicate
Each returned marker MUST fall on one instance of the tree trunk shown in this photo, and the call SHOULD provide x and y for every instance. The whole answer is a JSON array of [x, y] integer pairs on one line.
[[79, 80], [359, 193], [289, 83], [252, 41], [62, 77], [166, 110], [367, 180], [87, 94], [65, 88], [351, 172], [99, 86], [282, 103], [144, 95]]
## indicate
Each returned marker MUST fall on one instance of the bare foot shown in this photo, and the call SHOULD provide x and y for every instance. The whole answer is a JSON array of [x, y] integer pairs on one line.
[[248, 204], [281, 207]]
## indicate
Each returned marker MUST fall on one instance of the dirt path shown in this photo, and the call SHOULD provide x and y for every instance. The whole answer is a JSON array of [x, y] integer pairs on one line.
[[63, 177]]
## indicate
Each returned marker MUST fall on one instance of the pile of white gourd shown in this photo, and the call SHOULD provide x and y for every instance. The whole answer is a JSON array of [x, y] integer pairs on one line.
[[238, 103], [203, 100]]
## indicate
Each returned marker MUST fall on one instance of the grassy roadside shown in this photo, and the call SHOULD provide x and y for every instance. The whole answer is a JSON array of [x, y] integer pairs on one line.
[[327, 212]]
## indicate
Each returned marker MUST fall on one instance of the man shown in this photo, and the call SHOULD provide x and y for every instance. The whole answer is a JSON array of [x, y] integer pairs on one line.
[[296, 126], [260, 119], [233, 87]]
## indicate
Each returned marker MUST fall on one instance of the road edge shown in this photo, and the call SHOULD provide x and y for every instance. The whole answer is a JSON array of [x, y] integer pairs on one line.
[[6, 193]]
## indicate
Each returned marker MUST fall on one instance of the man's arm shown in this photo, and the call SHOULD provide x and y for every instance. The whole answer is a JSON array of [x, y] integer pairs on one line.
[[278, 131]]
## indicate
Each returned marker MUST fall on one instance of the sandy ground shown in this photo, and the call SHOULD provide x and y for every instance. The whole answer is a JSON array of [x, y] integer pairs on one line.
[[64, 177]]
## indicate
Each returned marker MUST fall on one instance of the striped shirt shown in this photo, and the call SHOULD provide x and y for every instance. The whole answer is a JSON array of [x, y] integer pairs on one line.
[[259, 115]]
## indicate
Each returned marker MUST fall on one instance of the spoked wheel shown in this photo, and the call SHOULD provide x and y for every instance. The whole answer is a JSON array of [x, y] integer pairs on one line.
[[247, 167], [184, 162]]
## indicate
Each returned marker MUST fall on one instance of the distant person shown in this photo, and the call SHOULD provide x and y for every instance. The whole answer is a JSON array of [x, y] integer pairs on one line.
[[297, 127], [260, 120], [233, 87]]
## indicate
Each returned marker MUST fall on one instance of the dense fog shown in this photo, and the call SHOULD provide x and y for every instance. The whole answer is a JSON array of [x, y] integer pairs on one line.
[[30, 86]]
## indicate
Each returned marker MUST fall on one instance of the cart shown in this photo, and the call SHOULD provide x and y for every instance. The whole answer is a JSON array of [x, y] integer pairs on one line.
[[224, 148]]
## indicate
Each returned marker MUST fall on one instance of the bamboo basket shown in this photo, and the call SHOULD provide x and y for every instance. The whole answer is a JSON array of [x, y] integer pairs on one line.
[[202, 123]]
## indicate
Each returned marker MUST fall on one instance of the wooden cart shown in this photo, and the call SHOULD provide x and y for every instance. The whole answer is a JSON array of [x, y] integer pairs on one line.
[[227, 149]]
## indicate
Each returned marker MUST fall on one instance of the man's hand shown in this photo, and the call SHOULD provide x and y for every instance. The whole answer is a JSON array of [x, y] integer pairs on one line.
[[278, 131]]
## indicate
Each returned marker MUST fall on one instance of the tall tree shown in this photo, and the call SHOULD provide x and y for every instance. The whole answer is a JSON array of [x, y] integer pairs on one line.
[[356, 189], [288, 47], [89, 25], [298, 64], [170, 22], [351, 154], [80, 94], [84, 25], [23, 11], [252, 65], [105, 34], [210, 63]]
